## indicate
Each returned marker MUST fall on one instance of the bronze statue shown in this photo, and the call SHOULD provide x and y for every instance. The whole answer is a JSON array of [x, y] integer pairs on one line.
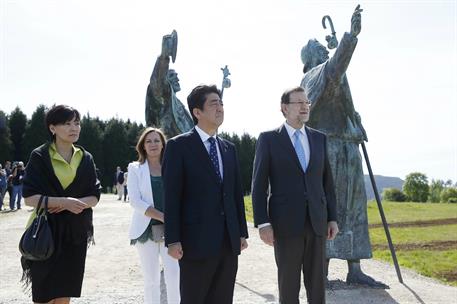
[[163, 108], [333, 112]]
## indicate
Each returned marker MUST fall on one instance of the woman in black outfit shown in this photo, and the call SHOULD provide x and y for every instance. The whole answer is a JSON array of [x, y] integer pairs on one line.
[[65, 173]]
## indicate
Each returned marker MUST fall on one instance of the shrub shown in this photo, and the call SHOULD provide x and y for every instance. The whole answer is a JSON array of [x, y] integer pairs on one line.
[[393, 195], [447, 194], [416, 187]]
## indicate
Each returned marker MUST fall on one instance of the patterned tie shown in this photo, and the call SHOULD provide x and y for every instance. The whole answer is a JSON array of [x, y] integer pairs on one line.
[[299, 149], [214, 158]]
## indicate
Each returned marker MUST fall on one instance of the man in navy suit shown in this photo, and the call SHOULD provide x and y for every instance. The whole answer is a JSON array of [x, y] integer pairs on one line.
[[294, 200], [205, 224]]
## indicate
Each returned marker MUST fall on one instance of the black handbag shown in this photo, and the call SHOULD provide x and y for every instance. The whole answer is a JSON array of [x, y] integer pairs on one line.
[[37, 243]]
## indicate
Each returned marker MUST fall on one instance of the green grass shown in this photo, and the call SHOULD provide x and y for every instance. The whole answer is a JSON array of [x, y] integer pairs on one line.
[[433, 264], [415, 234], [441, 265], [248, 208], [407, 212]]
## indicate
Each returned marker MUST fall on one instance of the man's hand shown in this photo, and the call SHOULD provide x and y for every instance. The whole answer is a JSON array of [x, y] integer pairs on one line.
[[73, 205], [356, 21], [266, 235], [244, 243], [332, 230], [175, 251]]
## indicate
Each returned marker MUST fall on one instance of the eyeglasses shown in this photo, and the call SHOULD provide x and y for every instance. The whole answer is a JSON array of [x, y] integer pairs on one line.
[[301, 103]]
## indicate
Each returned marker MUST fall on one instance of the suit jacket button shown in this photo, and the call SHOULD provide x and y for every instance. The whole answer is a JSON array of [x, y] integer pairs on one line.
[[222, 213]]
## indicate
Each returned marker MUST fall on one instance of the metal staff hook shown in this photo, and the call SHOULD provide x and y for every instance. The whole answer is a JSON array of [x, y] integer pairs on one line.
[[332, 42], [226, 83]]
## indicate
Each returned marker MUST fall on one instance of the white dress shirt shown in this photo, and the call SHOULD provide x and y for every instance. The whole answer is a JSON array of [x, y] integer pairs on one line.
[[204, 137], [303, 139]]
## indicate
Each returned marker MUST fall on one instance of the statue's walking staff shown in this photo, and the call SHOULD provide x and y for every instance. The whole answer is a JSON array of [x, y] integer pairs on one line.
[[226, 83], [381, 212], [333, 43]]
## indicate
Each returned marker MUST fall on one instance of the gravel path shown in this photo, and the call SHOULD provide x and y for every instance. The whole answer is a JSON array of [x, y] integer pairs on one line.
[[113, 274]]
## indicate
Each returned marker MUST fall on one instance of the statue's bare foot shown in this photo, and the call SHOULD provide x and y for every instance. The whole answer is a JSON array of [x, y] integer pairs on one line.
[[360, 278]]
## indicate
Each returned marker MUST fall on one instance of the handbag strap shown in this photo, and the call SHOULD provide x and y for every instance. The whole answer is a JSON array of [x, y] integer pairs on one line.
[[46, 199], [40, 202], [38, 208]]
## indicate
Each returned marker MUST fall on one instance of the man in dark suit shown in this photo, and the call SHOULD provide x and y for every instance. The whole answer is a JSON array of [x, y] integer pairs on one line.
[[294, 200], [205, 225]]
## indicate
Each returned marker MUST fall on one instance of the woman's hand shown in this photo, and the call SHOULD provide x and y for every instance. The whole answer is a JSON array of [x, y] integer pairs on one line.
[[73, 205], [154, 213]]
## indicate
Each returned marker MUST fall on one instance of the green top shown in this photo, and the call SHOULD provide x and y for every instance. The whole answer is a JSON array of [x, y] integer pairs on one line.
[[64, 171], [157, 195]]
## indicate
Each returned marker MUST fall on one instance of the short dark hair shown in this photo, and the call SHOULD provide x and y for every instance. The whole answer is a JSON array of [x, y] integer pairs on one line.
[[197, 98], [285, 98], [59, 115]]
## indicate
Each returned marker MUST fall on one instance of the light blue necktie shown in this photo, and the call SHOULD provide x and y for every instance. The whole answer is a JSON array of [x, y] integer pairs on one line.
[[299, 149]]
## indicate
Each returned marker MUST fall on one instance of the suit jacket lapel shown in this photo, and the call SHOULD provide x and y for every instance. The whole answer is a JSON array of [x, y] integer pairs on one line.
[[286, 143], [146, 179], [311, 147], [224, 154], [200, 151]]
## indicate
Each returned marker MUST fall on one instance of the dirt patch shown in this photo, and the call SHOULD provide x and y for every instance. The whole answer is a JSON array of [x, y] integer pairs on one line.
[[435, 246], [450, 276], [438, 222]]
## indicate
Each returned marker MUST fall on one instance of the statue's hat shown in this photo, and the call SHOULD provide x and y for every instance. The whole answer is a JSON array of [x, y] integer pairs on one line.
[[174, 45]]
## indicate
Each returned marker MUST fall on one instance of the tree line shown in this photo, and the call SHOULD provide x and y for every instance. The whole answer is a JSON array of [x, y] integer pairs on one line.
[[417, 189], [111, 142]]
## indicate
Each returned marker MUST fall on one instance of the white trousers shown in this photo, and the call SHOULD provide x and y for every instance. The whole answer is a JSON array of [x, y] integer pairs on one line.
[[120, 190], [149, 253]]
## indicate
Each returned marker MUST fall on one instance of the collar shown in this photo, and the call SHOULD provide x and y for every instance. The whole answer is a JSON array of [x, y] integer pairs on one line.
[[291, 130], [56, 156], [203, 135]]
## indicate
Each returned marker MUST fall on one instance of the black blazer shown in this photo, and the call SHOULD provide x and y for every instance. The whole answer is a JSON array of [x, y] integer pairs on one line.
[[280, 188], [198, 209]]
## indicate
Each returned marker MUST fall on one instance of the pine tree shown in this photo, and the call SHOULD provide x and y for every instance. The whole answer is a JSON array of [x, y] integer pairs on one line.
[[17, 123], [91, 139], [5, 141], [115, 150], [36, 132]]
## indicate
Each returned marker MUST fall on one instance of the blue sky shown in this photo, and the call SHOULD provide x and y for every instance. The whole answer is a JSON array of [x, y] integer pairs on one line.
[[98, 56]]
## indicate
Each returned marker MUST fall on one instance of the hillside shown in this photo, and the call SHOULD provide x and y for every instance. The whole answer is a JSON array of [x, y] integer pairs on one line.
[[382, 182]]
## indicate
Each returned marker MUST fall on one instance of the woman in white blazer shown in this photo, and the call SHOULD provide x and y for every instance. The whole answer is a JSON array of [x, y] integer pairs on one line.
[[146, 231]]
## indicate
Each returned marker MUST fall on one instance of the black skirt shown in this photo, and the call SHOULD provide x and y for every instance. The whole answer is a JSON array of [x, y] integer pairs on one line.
[[61, 276]]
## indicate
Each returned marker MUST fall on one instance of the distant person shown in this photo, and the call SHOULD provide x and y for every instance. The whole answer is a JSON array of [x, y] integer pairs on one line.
[[119, 182], [3, 185], [145, 189], [17, 176], [65, 173], [9, 177], [126, 191], [205, 226], [293, 199]]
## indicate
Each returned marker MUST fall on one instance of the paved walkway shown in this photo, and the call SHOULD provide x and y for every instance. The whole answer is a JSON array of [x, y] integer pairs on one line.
[[113, 274]]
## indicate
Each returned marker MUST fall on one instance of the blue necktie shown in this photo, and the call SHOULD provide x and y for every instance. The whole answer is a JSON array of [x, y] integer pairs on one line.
[[299, 149], [214, 158]]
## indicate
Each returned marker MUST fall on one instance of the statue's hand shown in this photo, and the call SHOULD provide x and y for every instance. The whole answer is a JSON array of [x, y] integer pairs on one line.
[[356, 21]]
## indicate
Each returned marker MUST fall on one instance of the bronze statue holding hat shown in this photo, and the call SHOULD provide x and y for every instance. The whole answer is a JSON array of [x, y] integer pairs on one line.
[[163, 108]]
